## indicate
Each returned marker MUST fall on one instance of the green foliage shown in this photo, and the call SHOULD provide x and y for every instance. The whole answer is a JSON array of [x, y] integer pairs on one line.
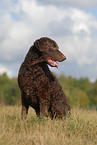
[[92, 93], [9, 91], [80, 92], [79, 97]]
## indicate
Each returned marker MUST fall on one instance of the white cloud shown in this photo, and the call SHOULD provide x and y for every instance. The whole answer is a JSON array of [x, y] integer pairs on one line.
[[83, 22]]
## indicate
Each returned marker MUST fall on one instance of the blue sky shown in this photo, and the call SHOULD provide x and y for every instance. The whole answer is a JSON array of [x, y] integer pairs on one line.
[[71, 23]]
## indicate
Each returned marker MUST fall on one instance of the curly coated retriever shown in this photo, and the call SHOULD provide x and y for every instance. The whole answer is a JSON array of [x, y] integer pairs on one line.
[[39, 87]]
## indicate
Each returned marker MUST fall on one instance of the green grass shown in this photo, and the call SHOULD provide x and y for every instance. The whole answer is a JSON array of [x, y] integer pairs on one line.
[[79, 129]]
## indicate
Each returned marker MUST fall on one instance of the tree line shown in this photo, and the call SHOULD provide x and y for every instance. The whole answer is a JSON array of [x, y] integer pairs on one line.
[[80, 92]]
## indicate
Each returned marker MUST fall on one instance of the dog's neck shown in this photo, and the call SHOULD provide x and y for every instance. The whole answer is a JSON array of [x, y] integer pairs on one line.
[[34, 56], [47, 71]]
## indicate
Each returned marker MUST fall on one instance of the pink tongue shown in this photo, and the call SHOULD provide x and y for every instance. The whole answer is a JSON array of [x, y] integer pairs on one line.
[[53, 63]]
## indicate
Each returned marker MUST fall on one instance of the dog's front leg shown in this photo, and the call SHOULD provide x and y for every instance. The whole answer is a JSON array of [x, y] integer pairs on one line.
[[44, 101]]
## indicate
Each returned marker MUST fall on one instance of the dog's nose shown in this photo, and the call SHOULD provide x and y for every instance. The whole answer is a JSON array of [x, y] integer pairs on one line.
[[64, 57]]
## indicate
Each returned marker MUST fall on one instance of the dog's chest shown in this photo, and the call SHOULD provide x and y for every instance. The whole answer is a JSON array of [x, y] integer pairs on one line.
[[39, 75]]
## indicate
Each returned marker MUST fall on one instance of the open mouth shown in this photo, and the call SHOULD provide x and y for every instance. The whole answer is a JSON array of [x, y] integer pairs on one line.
[[52, 63]]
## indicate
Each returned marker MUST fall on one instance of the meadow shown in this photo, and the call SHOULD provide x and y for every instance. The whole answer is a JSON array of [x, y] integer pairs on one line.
[[80, 128]]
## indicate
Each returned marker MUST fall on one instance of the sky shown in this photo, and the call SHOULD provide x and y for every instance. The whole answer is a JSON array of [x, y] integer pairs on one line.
[[71, 23]]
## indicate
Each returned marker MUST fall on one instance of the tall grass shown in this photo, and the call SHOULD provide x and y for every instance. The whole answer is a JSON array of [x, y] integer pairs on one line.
[[78, 129]]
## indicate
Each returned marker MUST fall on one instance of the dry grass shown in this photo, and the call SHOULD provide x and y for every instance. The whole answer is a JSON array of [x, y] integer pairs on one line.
[[79, 129]]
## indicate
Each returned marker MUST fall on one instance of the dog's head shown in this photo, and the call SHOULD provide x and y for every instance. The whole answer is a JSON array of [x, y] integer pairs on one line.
[[50, 51]]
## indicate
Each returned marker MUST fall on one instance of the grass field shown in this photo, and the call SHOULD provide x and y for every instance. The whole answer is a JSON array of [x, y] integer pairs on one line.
[[79, 129]]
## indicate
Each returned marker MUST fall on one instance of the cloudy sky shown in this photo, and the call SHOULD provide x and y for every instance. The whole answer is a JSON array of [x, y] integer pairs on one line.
[[71, 23]]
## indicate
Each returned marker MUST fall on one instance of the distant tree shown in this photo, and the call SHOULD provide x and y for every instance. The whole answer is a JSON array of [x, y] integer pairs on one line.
[[79, 98], [75, 90], [92, 93], [9, 91], [4, 74], [83, 84]]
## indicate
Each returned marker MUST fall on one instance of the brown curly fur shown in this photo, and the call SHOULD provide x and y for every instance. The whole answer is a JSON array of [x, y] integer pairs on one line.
[[39, 87]]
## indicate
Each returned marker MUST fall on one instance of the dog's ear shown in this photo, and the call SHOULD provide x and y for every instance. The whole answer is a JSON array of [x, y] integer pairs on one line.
[[40, 44]]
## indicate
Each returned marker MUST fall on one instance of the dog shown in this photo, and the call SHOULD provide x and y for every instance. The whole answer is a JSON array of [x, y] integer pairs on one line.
[[40, 89]]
